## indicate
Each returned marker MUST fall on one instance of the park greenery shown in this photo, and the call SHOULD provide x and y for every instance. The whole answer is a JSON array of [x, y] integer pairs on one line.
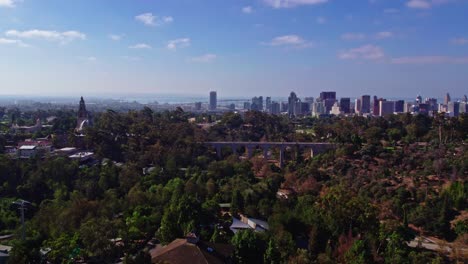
[[389, 181]]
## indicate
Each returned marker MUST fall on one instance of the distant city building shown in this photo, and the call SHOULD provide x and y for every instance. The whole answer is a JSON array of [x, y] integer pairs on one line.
[[365, 104], [292, 100], [301, 108], [419, 99], [399, 106], [198, 106], [268, 104], [408, 108], [329, 99], [247, 105], [213, 100], [318, 108], [309, 100], [357, 106], [463, 107], [386, 107], [345, 105], [376, 106], [284, 107], [422, 109], [328, 95], [336, 109], [453, 108], [442, 108], [432, 102], [465, 99], [447, 99], [275, 108], [257, 104], [83, 119], [232, 107]]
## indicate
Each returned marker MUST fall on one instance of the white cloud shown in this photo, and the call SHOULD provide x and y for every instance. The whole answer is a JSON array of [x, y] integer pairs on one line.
[[460, 41], [353, 36], [425, 60], [321, 20], [247, 10], [8, 3], [384, 35], [178, 43], [116, 37], [151, 20], [140, 46], [62, 37], [292, 3], [4, 41], [425, 4], [205, 58], [289, 40], [419, 4], [367, 52]]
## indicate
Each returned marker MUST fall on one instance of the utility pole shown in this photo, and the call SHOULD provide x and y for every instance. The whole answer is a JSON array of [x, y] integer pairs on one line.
[[22, 207]]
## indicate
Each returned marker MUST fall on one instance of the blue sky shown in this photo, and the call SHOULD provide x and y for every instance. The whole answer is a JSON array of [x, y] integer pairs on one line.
[[390, 48]]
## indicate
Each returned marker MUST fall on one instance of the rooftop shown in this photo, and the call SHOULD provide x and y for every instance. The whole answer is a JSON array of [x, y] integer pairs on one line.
[[27, 147]]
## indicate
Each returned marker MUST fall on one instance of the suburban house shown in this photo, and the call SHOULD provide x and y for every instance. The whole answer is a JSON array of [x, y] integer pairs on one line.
[[191, 250], [245, 223]]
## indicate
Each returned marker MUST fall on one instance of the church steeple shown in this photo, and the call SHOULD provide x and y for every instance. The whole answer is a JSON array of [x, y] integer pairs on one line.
[[82, 113]]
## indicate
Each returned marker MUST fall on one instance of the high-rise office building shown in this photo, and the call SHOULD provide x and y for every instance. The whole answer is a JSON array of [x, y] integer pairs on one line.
[[419, 99], [301, 108], [365, 104], [422, 109], [257, 104], [198, 106], [213, 100], [329, 99], [292, 100], [318, 108], [284, 107], [275, 108], [376, 108], [345, 105], [309, 100], [247, 105], [463, 107], [328, 95], [268, 104], [453, 108], [386, 107], [399, 106], [447, 99], [432, 102], [357, 106], [465, 99], [408, 108]]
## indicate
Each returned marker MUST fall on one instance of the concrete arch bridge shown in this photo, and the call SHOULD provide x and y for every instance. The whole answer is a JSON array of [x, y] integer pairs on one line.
[[250, 147]]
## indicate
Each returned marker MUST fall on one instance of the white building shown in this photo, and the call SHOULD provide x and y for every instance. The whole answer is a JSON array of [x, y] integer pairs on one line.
[[336, 110], [27, 151]]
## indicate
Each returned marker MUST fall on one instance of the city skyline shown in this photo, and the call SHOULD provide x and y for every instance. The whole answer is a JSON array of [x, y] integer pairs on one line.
[[237, 48]]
